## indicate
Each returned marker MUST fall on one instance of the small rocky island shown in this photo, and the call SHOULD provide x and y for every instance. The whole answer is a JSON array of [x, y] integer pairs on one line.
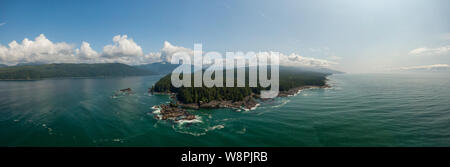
[[173, 112], [239, 98], [127, 91], [123, 92]]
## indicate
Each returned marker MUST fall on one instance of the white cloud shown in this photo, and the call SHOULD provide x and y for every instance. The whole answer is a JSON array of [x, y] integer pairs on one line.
[[297, 60], [126, 51], [2, 24], [430, 51], [292, 60], [426, 67], [169, 50], [43, 50], [86, 52], [151, 58], [39, 50], [123, 50], [122, 47]]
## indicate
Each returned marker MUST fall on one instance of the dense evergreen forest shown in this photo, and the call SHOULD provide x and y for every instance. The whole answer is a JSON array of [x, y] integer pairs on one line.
[[34, 72], [289, 78]]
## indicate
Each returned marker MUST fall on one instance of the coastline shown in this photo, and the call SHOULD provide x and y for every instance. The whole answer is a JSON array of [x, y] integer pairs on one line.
[[177, 110], [295, 91]]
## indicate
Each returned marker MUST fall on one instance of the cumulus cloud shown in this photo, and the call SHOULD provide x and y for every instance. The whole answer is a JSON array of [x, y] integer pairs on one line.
[[430, 51], [42, 50], [169, 50], [122, 50], [86, 52], [125, 50], [426, 67], [39, 50], [151, 58], [293, 59], [122, 47]]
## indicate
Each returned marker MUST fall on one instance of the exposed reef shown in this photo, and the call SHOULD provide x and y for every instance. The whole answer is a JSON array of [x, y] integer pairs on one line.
[[172, 112]]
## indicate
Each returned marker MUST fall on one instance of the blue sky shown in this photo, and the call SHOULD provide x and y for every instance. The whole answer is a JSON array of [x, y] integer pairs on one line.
[[361, 36]]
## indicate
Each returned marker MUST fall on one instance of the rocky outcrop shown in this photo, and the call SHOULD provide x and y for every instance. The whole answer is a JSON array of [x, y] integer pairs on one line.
[[127, 91], [295, 91], [122, 92], [174, 112], [247, 103]]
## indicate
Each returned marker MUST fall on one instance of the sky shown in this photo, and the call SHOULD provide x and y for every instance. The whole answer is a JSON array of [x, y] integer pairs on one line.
[[352, 36]]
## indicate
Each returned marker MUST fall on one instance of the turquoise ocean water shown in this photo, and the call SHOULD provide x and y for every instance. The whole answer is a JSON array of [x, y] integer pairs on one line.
[[358, 110]]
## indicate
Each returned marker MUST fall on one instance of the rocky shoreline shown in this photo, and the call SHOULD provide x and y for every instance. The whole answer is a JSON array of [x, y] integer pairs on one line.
[[295, 91], [248, 103], [176, 110]]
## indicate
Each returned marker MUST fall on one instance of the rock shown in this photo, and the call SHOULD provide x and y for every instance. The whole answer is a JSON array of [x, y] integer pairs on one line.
[[126, 90], [173, 112], [190, 117]]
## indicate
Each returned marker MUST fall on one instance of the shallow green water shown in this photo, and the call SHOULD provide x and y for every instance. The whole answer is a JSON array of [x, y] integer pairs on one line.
[[359, 110]]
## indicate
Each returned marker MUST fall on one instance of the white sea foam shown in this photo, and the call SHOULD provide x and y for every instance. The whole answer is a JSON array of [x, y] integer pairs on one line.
[[248, 109], [254, 108], [191, 133], [284, 102], [298, 92], [117, 140], [242, 131], [197, 119], [155, 107], [157, 111], [226, 119], [50, 130], [202, 132], [184, 130], [215, 127]]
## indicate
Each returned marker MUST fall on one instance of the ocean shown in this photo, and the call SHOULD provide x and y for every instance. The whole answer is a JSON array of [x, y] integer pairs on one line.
[[358, 110]]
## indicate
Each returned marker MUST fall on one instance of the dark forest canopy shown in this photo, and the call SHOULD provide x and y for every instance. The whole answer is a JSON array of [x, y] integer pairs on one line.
[[289, 78], [34, 72]]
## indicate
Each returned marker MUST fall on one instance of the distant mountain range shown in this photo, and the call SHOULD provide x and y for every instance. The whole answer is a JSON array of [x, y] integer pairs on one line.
[[30, 64], [34, 72], [159, 67]]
